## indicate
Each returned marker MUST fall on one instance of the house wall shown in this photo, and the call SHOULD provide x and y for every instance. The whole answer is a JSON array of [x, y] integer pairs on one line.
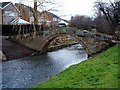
[[25, 14], [7, 18], [48, 17], [0, 16]]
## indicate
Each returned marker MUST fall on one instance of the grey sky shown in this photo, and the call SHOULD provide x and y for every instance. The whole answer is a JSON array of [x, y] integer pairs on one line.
[[68, 8]]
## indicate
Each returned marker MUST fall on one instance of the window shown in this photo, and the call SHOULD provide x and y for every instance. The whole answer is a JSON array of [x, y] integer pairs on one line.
[[31, 19], [10, 13], [43, 19], [54, 19]]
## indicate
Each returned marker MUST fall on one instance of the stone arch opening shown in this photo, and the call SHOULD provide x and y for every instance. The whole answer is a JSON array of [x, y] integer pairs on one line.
[[50, 38]]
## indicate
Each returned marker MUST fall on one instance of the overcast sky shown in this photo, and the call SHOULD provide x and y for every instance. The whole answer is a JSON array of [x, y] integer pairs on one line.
[[68, 8]]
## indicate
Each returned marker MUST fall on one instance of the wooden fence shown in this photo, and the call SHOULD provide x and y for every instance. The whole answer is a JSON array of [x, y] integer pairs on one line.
[[14, 29]]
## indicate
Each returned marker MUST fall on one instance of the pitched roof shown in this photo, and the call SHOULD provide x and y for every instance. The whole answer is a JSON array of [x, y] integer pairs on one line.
[[3, 4], [53, 15], [28, 8], [19, 21], [65, 20], [50, 14]]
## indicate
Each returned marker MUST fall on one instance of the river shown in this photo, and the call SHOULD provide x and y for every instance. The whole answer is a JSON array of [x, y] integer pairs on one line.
[[29, 71]]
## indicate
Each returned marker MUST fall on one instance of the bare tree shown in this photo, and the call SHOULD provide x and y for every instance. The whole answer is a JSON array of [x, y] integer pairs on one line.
[[102, 25], [82, 22], [109, 11], [35, 12], [43, 5]]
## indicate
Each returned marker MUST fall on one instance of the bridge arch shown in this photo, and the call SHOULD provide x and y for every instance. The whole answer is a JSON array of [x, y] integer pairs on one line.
[[50, 38]]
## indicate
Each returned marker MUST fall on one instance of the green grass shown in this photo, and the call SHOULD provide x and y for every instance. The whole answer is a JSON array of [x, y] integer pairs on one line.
[[98, 72]]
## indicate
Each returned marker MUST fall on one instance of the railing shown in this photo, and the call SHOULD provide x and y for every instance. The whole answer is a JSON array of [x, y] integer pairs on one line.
[[14, 29]]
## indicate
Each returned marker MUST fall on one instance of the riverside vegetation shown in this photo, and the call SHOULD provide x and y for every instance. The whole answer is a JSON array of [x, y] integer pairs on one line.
[[100, 71]]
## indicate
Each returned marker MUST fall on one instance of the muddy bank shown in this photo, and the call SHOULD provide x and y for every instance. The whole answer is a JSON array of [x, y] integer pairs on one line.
[[13, 50]]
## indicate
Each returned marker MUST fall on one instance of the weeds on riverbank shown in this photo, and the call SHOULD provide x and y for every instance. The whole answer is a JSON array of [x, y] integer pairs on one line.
[[98, 72]]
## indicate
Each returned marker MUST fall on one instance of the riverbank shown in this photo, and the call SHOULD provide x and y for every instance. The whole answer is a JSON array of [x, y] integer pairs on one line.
[[12, 50], [98, 72]]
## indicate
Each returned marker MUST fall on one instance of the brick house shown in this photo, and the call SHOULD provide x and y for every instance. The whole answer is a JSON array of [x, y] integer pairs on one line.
[[44, 17], [8, 12], [25, 12], [49, 18]]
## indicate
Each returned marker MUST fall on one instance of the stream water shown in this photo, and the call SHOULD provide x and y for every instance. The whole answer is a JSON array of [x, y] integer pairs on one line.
[[29, 71]]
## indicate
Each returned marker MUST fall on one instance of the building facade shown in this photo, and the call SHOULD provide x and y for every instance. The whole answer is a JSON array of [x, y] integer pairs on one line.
[[25, 12], [48, 18], [9, 12]]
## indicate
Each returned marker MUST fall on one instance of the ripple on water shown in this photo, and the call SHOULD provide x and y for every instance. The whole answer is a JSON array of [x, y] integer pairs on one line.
[[26, 72]]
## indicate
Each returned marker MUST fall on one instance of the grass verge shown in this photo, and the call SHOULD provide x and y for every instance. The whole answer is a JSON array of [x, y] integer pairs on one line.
[[98, 72]]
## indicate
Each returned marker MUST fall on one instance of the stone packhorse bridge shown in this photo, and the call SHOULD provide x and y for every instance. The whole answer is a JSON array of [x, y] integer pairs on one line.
[[40, 43], [50, 38]]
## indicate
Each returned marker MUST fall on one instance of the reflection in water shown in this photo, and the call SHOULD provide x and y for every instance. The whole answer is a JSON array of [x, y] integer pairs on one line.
[[26, 72]]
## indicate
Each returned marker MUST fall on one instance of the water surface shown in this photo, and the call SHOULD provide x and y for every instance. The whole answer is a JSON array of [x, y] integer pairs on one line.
[[29, 71]]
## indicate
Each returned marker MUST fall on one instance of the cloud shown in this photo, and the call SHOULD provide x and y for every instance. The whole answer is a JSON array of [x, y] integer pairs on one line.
[[73, 7], [69, 7]]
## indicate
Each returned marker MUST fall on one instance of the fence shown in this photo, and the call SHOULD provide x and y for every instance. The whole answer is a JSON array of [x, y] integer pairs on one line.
[[14, 29]]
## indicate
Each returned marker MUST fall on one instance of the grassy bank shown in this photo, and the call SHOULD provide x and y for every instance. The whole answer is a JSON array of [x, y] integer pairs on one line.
[[98, 72]]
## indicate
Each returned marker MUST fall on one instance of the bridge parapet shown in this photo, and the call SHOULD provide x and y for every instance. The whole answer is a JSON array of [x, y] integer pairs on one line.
[[59, 30]]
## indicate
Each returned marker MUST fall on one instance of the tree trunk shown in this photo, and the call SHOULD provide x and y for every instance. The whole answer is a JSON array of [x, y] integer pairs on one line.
[[35, 12]]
